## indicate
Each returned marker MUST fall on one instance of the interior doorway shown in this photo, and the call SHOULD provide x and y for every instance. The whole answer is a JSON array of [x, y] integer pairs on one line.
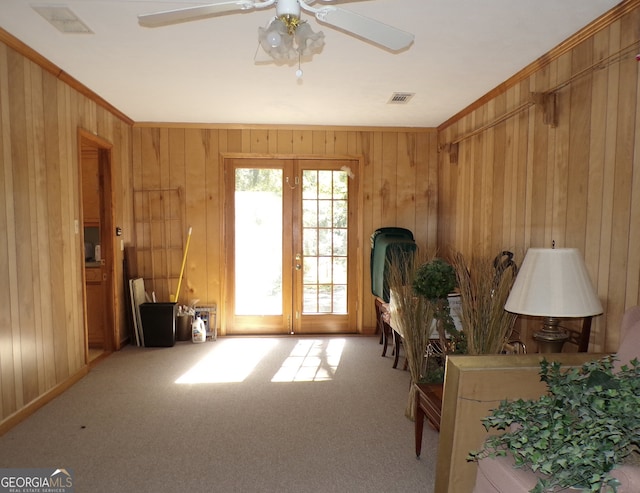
[[96, 227], [291, 237]]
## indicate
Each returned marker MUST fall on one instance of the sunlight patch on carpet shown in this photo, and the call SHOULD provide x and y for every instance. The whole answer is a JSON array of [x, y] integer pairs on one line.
[[230, 362], [311, 360]]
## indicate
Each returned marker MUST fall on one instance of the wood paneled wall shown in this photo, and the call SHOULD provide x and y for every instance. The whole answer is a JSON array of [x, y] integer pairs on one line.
[[399, 183], [42, 342], [519, 182]]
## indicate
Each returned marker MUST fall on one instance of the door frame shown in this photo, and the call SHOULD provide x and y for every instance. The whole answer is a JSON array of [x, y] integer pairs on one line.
[[104, 148], [359, 227]]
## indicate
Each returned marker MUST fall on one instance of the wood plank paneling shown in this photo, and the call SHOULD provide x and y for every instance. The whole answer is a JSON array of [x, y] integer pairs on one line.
[[10, 375], [596, 227], [176, 178], [24, 354], [575, 184], [196, 212], [499, 163], [42, 333], [560, 156], [405, 179], [539, 170], [622, 252], [580, 124], [213, 206]]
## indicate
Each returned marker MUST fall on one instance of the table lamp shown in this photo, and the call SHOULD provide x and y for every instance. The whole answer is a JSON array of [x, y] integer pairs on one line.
[[553, 283]]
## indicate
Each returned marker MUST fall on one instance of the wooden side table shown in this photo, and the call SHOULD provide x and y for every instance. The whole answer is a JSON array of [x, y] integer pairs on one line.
[[429, 405], [382, 323]]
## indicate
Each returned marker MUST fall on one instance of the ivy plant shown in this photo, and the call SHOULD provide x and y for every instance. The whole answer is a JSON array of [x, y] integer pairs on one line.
[[574, 435]]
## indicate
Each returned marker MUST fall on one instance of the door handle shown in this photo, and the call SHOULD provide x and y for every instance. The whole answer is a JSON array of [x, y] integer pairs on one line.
[[298, 261]]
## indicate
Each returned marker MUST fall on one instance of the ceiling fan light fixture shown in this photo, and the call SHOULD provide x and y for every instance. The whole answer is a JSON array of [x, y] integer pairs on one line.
[[292, 22], [307, 41], [276, 41], [287, 39]]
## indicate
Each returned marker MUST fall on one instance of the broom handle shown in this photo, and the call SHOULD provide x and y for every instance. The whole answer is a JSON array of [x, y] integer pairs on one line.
[[174, 298]]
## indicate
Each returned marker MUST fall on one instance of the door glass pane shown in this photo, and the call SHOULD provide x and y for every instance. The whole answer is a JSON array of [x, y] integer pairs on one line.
[[258, 241], [340, 270], [310, 213], [325, 243], [340, 242], [310, 270], [311, 242], [324, 239], [325, 213], [340, 297]]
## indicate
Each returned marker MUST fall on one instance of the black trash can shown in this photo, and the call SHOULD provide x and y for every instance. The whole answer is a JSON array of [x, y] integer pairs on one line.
[[159, 324]]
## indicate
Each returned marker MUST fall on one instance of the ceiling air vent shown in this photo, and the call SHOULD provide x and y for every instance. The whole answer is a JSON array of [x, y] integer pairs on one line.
[[62, 18], [401, 97]]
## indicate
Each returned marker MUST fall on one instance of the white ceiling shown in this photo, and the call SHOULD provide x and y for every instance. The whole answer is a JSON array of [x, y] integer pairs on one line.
[[204, 71]]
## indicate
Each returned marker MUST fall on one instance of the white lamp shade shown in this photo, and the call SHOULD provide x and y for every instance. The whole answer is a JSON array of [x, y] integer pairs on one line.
[[553, 282]]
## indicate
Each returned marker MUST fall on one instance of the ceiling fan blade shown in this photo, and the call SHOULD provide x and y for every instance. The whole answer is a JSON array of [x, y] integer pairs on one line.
[[333, 2], [364, 27], [176, 16]]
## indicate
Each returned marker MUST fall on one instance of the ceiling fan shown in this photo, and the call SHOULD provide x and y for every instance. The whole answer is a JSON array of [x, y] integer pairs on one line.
[[288, 36]]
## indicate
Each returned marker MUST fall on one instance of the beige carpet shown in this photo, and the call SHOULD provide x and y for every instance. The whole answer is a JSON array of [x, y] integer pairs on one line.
[[274, 414]]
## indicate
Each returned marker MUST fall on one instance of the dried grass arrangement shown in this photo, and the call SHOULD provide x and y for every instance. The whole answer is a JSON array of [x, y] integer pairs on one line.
[[484, 285], [411, 315]]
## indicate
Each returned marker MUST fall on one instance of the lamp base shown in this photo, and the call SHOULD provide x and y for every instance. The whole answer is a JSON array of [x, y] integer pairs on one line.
[[550, 338]]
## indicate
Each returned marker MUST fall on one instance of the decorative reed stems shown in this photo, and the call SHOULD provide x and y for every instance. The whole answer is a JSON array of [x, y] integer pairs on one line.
[[483, 293], [412, 316]]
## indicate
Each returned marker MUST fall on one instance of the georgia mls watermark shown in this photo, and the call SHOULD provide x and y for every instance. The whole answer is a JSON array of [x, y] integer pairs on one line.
[[36, 481]]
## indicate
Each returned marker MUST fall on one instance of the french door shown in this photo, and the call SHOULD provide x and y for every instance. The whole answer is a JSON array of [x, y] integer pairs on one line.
[[290, 241]]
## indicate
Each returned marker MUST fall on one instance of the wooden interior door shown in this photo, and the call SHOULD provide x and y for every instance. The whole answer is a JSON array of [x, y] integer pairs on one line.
[[97, 227], [290, 262]]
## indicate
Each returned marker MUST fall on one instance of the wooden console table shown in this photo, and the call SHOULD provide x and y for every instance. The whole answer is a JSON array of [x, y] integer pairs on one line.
[[429, 405]]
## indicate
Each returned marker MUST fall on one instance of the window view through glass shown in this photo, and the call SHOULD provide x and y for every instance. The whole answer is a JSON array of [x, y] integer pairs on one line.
[[324, 238], [258, 244]]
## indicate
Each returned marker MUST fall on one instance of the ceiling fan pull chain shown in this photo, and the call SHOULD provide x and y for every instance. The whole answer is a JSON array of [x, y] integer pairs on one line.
[[299, 72]]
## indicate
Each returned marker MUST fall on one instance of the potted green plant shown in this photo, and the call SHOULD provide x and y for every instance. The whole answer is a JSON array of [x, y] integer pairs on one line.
[[435, 280], [574, 435]]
